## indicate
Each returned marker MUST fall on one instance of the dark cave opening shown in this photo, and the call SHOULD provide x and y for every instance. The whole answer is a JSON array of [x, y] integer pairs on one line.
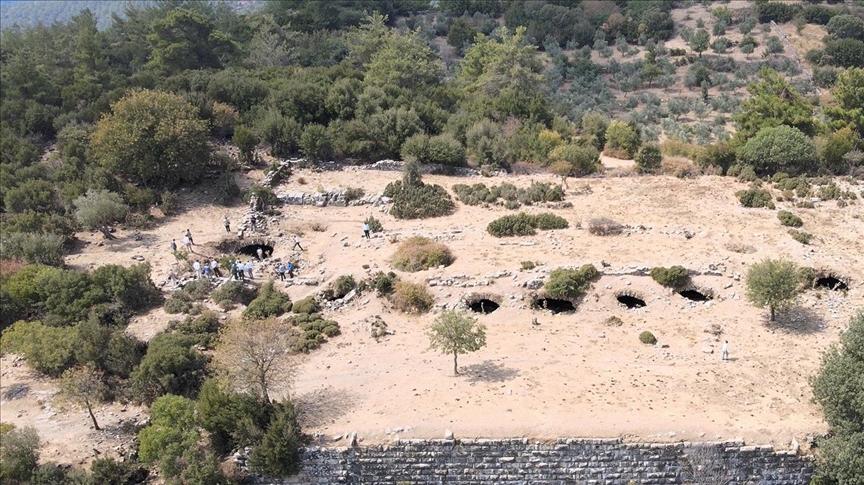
[[555, 305], [483, 305], [694, 295], [631, 302], [252, 250], [831, 283]]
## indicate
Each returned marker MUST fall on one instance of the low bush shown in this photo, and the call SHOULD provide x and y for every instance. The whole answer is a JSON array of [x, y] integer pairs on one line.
[[411, 297], [233, 292], [203, 329], [674, 277], [306, 305], [603, 226], [419, 253], [648, 158], [312, 330], [801, 236], [418, 201], [508, 194], [34, 248], [49, 350], [269, 303], [339, 288], [226, 189], [382, 283], [647, 337], [354, 193], [789, 219], [178, 302], [170, 203], [526, 265], [613, 321], [198, 289], [754, 198], [374, 224], [524, 224], [99, 208], [569, 284]]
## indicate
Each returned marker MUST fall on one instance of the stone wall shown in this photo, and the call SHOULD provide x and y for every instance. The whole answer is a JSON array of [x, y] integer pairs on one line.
[[566, 461]]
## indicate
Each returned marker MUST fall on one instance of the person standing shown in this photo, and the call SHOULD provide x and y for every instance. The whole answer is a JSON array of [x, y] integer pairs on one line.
[[214, 266], [253, 221], [290, 269], [297, 243], [249, 268], [238, 266], [725, 350], [366, 229], [260, 254], [207, 270], [173, 245], [227, 224], [281, 271], [188, 243], [189, 235], [197, 267]]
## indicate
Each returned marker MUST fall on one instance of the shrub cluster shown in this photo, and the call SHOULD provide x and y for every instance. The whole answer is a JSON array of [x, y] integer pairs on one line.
[[382, 283], [374, 224], [34, 248], [603, 226], [509, 195], [269, 303], [411, 297], [801, 236], [339, 288], [647, 337], [418, 201], [203, 329], [312, 330], [419, 253], [754, 198], [306, 305], [674, 277], [569, 284], [233, 292], [789, 219], [524, 224]]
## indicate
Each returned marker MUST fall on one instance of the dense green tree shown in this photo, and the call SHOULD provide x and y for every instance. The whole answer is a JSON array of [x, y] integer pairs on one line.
[[832, 150], [186, 39], [233, 419], [460, 33], [171, 435], [404, 61], [19, 454], [846, 52], [581, 160], [622, 141], [455, 333], [277, 453], [699, 41], [649, 158], [849, 96], [315, 143], [152, 137], [846, 27], [779, 149], [772, 283], [49, 350], [773, 102], [169, 367]]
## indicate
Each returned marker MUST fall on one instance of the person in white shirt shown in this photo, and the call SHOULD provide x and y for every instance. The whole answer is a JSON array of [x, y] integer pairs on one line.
[[725, 350], [249, 269], [297, 243], [197, 267], [260, 254], [214, 266]]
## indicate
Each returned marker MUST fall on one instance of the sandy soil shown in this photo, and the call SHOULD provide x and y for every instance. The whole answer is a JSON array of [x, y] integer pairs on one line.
[[570, 375]]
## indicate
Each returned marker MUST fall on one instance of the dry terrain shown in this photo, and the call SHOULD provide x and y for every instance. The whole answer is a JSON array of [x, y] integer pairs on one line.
[[570, 374]]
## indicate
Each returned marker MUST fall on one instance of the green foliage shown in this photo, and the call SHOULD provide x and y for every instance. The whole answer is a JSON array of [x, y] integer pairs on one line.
[[246, 141], [374, 224], [411, 297], [186, 39], [455, 333], [789, 219], [780, 12], [524, 224], [277, 454], [109, 471], [833, 149], [699, 41], [419, 253], [233, 419], [621, 140], [171, 435], [342, 286], [315, 143], [801, 236], [19, 454], [98, 209], [226, 189], [773, 102], [233, 292], [755, 198], [673, 277], [202, 329], [34, 248], [382, 283], [154, 138], [838, 390], [460, 33], [570, 284], [418, 201], [719, 155], [170, 367], [849, 95], [269, 303], [649, 158], [780, 148], [527, 265], [49, 350], [772, 283], [647, 338], [512, 197], [603, 226], [845, 27], [441, 149], [306, 305], [579, 160]]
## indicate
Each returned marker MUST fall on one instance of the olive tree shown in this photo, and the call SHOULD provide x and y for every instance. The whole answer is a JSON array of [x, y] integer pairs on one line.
[[83, 385], [779, 149], [99, 208], [456, 333], [772, 283], [154, 138]]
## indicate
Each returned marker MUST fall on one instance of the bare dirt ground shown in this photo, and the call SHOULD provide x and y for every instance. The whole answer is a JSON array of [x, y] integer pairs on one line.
[[570, 375]]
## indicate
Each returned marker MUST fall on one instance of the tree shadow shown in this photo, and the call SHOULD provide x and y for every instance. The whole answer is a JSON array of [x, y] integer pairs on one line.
[[797, 320], [321, 406], [489, 371]]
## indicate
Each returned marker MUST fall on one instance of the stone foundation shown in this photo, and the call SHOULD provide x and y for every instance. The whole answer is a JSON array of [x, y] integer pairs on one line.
[[564, 462]]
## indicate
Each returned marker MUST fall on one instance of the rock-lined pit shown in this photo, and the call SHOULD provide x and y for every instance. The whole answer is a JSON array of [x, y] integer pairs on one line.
[[252, 250], [630, 301], [483, 305], [555, 305], [832, 283], [695, 295]]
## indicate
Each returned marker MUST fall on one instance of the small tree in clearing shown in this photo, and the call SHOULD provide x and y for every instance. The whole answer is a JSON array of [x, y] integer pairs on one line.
[[83, 385], [255, 354], [772, 283], [456, 333]]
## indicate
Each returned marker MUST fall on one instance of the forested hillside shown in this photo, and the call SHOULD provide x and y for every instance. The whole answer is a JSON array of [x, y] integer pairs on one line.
[[101, 125], [29, 13]]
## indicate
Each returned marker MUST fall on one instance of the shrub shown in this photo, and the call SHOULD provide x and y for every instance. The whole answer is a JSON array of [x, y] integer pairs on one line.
[[169, 367], [846, 52], [34, 248], [548, 222], [579, 160], [418, 201], [169, 203], [419, 253], [178, 302], [801, 236], [779, 149], [49, 350], [411, 297], [719, 155], [198, 289], [269, 303], [233, 292], [754, 198], [789, 219], [226, 189], [647, 337], [613, 321], [19, 454], [569, 284], [354, 193], [99, 208], [845, 27], [202, 329], [306, 305], [621, 140], [603, 226], [382, 283], [648, 159], [524, 224], [374, 224], [339, 288], [527, 265], [277, 454], [674, 277]]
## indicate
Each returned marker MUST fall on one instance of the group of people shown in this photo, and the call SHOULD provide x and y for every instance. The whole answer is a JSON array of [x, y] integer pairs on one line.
[[206, 269]]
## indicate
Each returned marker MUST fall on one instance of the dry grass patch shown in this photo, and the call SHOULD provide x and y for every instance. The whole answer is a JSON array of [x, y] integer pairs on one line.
[[420, 253], [603, 226], [411, 297]]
